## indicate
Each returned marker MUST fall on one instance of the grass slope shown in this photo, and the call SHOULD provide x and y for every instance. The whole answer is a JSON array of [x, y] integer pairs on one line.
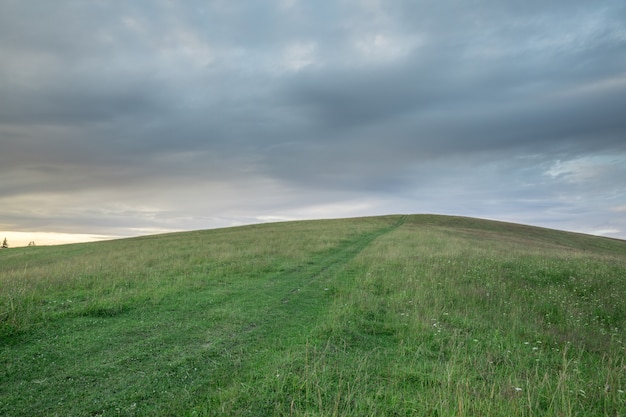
[[380, 316]]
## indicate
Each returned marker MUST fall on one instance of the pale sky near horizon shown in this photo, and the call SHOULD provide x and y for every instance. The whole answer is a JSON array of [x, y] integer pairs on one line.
[[123, 118]]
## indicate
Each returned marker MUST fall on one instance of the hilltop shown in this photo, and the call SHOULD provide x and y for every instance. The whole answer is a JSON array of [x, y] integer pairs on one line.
[[390, 315]]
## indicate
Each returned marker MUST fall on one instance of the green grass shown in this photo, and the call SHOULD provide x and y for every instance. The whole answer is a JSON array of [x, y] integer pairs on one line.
[[379, 316]]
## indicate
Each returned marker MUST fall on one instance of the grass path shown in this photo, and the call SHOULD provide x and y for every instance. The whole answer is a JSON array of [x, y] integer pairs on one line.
[[196, 343], [281, 332]]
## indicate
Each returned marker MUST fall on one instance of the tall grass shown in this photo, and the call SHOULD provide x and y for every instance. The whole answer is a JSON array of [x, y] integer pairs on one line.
[[382, 316], [487, 324]]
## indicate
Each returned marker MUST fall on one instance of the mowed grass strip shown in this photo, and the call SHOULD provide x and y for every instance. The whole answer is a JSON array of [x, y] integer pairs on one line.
[[417, 315], [108, 327]]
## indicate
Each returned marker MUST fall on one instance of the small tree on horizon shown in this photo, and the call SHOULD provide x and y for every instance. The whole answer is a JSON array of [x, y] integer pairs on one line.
[[5, 244]]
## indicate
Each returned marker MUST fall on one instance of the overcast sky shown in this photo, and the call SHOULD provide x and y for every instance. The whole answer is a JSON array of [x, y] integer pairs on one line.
[[123, 118]]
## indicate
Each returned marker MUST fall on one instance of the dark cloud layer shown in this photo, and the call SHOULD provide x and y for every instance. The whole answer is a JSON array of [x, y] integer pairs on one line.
[[121, 118]]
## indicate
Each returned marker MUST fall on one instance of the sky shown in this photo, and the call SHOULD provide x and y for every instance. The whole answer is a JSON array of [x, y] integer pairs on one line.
[[122, 118]]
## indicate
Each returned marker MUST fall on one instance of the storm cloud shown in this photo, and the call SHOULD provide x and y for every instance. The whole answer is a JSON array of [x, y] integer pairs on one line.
[[124, 118]]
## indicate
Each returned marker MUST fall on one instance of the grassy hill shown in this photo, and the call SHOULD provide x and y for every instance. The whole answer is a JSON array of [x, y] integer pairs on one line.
[[380, 316]]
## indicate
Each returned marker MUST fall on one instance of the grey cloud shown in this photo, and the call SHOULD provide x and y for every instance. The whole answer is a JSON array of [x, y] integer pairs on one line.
[[244, 110]]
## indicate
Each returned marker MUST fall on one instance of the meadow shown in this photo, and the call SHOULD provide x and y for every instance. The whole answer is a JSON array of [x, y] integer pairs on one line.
[[418, 315]]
